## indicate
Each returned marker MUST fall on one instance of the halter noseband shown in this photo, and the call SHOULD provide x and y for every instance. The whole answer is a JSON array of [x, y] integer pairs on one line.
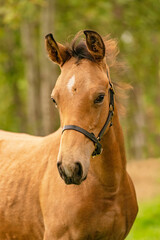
[[91, 136]]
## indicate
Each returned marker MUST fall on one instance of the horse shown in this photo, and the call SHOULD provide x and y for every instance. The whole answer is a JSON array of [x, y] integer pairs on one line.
[[71, 184]]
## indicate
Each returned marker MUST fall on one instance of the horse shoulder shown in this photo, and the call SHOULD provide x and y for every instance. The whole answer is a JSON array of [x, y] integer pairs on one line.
[[23, 162]]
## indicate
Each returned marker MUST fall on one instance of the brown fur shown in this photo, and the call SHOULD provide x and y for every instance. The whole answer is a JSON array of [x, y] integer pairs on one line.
[[35, 203]]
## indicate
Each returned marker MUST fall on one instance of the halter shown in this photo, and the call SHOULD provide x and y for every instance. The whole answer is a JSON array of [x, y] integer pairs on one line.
[[91, 136]]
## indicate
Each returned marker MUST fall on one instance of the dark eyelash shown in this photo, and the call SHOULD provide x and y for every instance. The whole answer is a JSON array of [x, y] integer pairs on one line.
[[54, 101], [99, 99]]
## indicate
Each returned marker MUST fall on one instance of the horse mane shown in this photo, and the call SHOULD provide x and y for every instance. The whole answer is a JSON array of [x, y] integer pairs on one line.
[[78, 49]]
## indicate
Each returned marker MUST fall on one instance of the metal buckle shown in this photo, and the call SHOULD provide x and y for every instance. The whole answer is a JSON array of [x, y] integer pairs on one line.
[[98, 149], [111, 108], [111, 88]]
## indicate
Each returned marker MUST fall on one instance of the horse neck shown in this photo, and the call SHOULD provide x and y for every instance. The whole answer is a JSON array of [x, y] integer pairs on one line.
[[110, 166]]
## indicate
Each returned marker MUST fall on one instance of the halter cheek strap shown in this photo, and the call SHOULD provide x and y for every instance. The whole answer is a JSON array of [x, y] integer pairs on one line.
[[91, 136]]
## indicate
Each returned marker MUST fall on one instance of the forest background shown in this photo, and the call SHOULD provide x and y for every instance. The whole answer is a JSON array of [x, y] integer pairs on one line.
[[27, 76]]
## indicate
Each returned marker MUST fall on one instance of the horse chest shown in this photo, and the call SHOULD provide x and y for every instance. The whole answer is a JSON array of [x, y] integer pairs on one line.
[[95, 220]]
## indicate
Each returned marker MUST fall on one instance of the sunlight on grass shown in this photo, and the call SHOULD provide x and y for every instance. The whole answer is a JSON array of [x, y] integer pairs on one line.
[[147, 224]]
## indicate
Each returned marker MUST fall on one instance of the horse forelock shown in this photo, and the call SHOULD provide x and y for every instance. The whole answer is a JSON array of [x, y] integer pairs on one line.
[[78, 50]]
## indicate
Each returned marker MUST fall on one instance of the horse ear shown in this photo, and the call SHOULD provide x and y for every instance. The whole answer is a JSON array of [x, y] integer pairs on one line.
[[95, 44], [56, 51]]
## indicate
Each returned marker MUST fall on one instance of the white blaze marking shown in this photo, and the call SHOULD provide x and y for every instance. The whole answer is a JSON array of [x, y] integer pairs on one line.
[[71, 83]]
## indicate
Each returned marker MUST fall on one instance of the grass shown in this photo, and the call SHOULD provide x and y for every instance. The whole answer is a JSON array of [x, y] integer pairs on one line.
[[147, 224]]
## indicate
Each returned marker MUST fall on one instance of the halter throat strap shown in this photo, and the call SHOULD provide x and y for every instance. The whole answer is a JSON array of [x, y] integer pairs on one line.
[[91, 136]]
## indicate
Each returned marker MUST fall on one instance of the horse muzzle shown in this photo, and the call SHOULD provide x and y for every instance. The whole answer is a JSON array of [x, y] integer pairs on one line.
[[71, 173]]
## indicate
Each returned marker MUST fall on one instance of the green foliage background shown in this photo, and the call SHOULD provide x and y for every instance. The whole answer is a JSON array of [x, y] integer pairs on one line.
[[146, 226], [134, 23]]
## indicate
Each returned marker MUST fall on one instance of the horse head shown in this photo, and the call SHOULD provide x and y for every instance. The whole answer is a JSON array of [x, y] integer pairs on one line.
[[82, 96]]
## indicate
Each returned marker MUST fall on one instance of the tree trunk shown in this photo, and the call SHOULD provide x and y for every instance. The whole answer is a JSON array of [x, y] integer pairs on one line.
[[48, 71], [19, 108], [138, 124], [28, 38]]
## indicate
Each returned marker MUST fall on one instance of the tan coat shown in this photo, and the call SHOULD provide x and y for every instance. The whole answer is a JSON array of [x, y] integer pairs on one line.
[[35, 203]]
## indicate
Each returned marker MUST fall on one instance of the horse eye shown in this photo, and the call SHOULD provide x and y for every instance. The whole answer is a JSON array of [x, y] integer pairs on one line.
[[54, 102], [99, 99]]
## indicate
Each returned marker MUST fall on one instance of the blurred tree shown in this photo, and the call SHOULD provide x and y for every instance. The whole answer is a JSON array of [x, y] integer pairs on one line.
[[12, 112], [28, 39], [48, 71], [33, 20]]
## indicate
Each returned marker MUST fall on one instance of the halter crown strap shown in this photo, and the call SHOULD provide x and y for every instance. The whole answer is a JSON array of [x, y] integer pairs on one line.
[[91, 136], [110, 115]]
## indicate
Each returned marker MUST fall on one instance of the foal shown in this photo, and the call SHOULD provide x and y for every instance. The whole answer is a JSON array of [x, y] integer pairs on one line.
[[85, 198]]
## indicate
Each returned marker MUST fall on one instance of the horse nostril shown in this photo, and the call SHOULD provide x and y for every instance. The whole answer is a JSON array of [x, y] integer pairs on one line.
[[78, 170], [59, 166], [71, 173]]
